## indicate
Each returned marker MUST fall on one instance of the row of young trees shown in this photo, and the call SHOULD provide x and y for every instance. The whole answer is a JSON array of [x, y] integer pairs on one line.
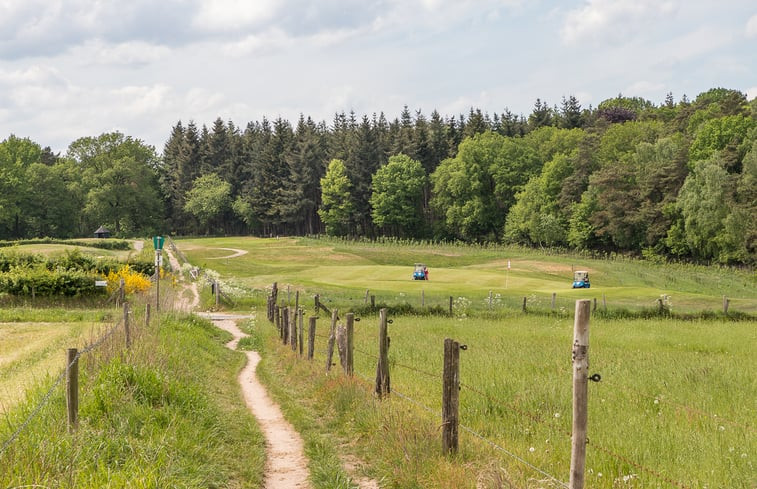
[[675, 179]]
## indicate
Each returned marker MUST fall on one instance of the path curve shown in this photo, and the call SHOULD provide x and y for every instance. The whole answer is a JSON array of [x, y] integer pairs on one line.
[[286, 466], [234, 255]]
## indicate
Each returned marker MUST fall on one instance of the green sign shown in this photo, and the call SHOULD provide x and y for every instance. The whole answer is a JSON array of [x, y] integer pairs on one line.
[[157, 242]]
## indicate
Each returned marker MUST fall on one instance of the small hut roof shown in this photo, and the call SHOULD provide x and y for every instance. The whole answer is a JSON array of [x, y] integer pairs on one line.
[[101, 230]]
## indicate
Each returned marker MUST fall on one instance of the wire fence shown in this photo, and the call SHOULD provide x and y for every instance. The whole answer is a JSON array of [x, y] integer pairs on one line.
[[549, 421], [46, 398]]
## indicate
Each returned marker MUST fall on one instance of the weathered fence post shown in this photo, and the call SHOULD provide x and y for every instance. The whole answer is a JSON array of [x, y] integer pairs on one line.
[[383, 387], [366, 296], [332, 339], [450, 305], [217, 292], [127, 333], [423, 298], [726, 303], [147, 314], [450, 396], [301, 332], [285, 324], [554, 300], [311, 337], [296, 300], [275, 292], [289, 296], [121, 292], [373, 302], [277, 318], [580, 393], [72, 389], [292, 328], [524, 304], [317, 300], [349, 366]]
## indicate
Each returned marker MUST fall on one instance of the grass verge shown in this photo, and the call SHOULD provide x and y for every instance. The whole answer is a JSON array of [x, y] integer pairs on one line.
[[167, 413]]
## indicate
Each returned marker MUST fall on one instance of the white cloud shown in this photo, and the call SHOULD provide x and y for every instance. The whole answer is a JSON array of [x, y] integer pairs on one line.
[[223, 15], [751, 93], [751, 27], [643, 88], [612, 20], [125, 53]]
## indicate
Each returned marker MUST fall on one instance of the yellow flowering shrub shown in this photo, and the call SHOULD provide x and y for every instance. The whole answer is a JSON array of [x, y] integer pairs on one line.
[[133, 281]]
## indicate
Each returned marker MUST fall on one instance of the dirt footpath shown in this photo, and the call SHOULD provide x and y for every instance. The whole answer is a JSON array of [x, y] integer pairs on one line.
[[286, 467]]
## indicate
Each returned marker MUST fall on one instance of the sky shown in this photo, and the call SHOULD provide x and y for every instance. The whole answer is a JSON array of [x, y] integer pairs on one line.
[[76, 68]]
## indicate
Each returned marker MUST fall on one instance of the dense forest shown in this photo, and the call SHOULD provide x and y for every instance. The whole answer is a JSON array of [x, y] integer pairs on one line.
[[675, 180]]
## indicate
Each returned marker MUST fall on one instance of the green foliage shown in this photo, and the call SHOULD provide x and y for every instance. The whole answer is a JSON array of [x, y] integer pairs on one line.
[[40, 281], [209, 197], [336, 208], [397, 196]]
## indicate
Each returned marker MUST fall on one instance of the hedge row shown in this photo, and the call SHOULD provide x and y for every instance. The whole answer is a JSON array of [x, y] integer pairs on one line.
[[71, 260], [105, 244], [40, 281]]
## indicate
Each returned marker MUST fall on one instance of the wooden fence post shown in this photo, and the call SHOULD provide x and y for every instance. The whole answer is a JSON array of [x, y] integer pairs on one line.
[[275, 292], [373, 302], [311, 337], [296, 300], [300, 329], [317, 300], [121, 292], [217, 291], [349, 367], [292, 328], [366, 297], [450, 305], [332, 339], [554, 300], [524, 304], [450, 396], [147, 314], [127, 333], [72, 389], [285, 324], [382, 368], [726, 303], [423, 298], [580, 393], [277, 318]]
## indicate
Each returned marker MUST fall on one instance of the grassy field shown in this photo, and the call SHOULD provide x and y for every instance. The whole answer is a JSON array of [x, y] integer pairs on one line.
[[342, 272], [33, 346], [168, 412], [675, 407]]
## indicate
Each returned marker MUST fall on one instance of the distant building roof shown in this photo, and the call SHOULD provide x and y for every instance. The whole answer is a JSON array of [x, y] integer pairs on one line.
[[102, 230]]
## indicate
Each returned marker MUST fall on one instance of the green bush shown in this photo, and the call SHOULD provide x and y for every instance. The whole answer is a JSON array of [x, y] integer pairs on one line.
[[40, 281]]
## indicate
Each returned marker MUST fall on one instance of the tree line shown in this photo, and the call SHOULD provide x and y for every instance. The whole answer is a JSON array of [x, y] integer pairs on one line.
[[675, 179]]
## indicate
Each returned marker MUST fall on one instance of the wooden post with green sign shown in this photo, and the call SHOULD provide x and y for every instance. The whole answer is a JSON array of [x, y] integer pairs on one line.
[[157, 242]]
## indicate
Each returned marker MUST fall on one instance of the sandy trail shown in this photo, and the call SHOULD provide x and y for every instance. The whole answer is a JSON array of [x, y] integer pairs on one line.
[[234, 255], [286, 467]]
